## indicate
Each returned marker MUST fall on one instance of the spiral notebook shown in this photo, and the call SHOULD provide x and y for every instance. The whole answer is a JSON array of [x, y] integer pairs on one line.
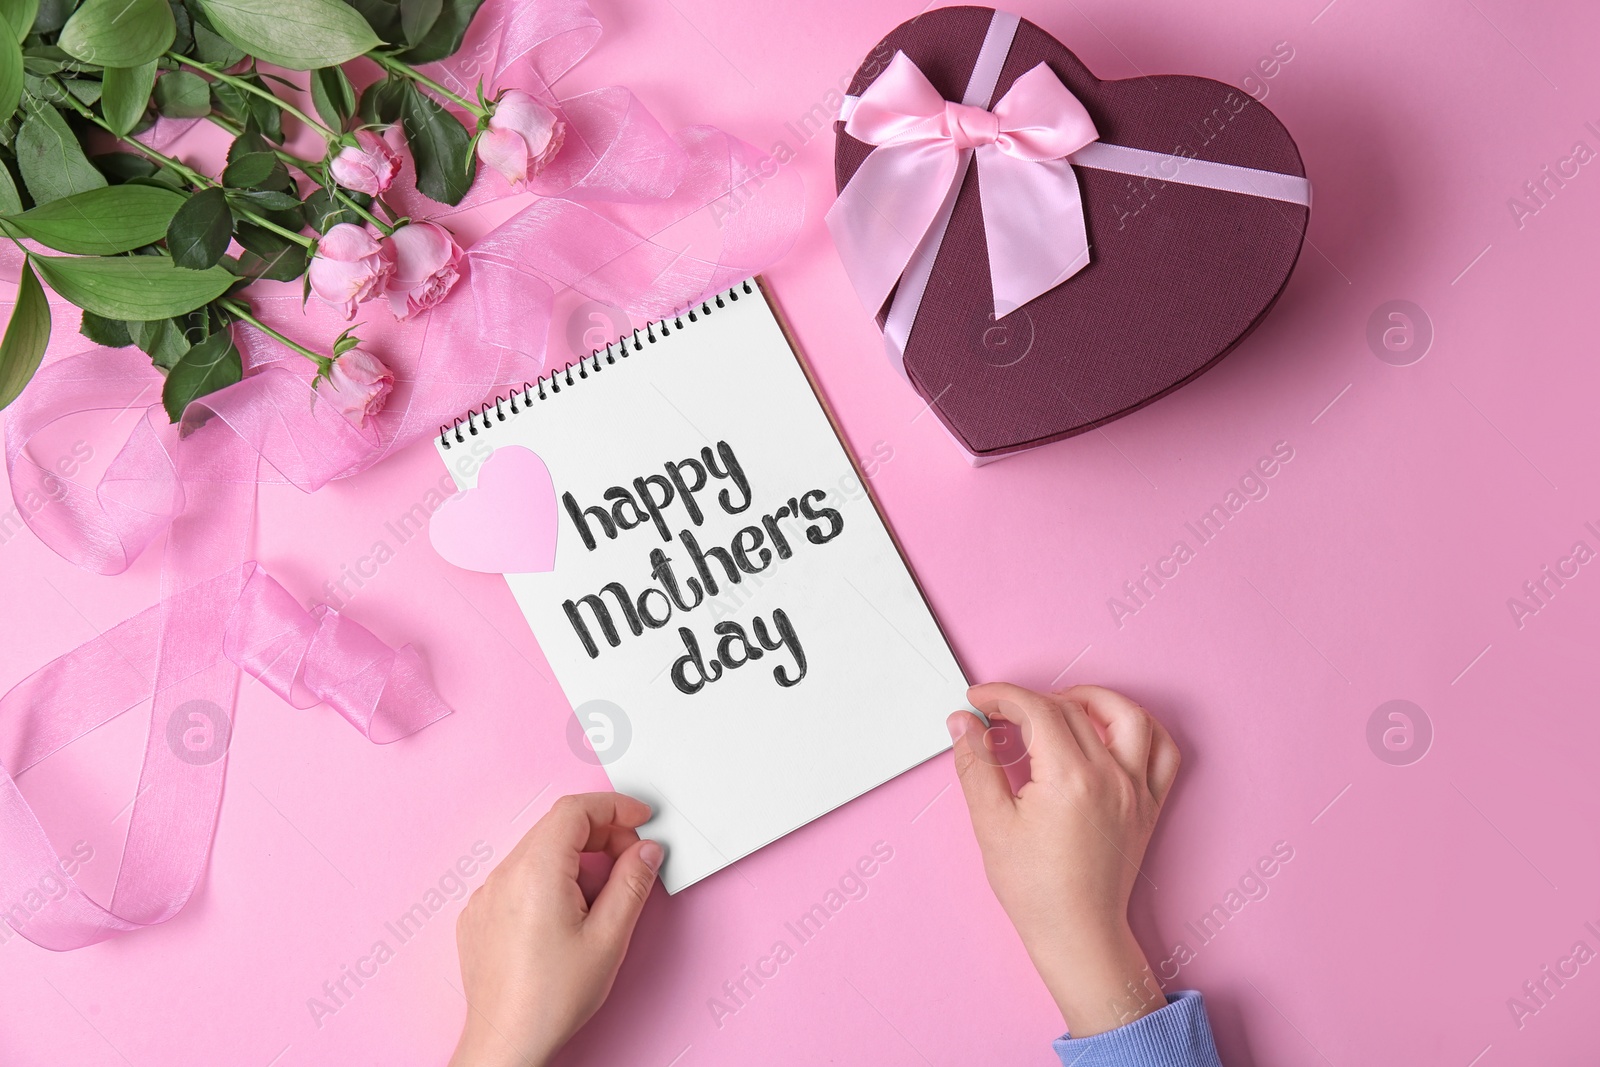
[[741, 642]]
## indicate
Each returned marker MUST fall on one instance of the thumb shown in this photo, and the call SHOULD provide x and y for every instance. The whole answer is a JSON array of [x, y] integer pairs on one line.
[[622, 898], [983, 780]]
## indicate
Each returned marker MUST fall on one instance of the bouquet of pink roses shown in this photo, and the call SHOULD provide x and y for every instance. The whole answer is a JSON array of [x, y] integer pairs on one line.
[[158, 254]]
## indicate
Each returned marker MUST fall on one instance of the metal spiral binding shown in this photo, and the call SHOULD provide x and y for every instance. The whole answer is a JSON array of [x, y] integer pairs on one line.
[[479, 419]]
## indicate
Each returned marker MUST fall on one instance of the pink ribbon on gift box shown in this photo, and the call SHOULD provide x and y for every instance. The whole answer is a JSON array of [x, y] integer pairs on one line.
[[1033, 215], [889, 220], [605, 204]]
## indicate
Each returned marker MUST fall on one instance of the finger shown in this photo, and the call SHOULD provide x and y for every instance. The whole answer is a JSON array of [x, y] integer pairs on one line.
[[1130, 729], [616, 910], [983, 781], [618, 841], [1051, 745], [1164, 762], [1084, 731], [581, 822]]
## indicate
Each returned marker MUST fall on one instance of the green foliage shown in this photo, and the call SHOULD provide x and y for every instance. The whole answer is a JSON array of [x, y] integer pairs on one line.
[[383, 101], [100, 222], [298, 34], [19, 16], [444, 34], [119, 33], [324, 211], [204, 368], [252, 164], [26, 336], [113, 333], [51, 159], [125, 95], [441, 147], [199, 233], [182, 94], [141, 241], [11, 69], [270, 255], [136, 288], [333, 96], [10, 199], [417, 17]]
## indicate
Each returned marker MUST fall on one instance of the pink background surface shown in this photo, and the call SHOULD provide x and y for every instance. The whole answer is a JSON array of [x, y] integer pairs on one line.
[[1419, 899]]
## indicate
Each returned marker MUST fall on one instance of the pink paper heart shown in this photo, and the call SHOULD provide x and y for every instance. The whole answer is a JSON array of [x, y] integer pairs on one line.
[[507, 525]]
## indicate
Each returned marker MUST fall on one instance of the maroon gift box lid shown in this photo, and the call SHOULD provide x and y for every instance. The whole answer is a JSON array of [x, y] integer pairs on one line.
[[1178, 273]]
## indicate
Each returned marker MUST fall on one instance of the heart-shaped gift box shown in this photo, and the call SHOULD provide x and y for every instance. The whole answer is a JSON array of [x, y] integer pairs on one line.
[[1194, 206]]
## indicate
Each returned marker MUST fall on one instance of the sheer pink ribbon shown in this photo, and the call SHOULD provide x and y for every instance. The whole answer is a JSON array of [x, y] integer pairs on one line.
[[618, 212], [1032, 210]]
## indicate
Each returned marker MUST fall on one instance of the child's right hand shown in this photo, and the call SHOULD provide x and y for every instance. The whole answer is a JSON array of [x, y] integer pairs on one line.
[[1062, 855]]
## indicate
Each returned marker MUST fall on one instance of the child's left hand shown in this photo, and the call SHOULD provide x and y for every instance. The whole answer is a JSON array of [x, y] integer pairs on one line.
[[536, 959]]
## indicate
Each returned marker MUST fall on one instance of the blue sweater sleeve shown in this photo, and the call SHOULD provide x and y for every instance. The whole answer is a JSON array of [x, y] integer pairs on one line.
[[1177, 1035]]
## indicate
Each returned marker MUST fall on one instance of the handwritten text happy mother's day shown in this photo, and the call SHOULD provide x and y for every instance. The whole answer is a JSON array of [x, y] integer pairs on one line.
[[649, 504]]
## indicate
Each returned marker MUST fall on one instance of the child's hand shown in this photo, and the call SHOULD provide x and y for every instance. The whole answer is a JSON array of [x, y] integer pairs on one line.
[[536, 959], [1062, 855]]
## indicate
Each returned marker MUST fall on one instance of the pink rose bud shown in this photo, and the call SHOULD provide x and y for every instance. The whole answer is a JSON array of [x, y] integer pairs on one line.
[[358, 385], [350, 266], [425, 259], [369, 165], [522, 138]]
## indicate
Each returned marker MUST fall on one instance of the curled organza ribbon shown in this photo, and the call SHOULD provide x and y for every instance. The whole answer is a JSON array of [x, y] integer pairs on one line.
[[615, 217]]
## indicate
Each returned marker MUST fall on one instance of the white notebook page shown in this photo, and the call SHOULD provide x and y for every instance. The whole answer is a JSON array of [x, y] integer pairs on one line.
[[853, 680]]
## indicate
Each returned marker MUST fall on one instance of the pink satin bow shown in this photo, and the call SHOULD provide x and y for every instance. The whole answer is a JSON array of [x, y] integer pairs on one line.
[[1032, 211]]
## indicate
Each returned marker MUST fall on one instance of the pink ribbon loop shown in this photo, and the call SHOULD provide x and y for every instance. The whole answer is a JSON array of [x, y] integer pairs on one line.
[[321, 656], [1032, 208]]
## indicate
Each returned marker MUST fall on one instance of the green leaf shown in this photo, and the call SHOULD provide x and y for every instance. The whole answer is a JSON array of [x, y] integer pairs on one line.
[[136, 288], [333, 96], [127, 94], [323, 211], [166, 178], [19, 15], [101, 222], [383, 16], [199, 233], [417, 18], [52, 162], [440, 146], [183, 42], [84, 90], [10, 199], [53, 14], [271, 255], [267, 200], [208, 366], [162, 340], [298, 34], [446, 34], [252, 164], [230, 100], [113, 333], [182, 94], [48, 59], [249, 170], [10, 70], [119, 33], [383, 101], [26, 336], [268, 116], [213, 49], [121, 167]]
